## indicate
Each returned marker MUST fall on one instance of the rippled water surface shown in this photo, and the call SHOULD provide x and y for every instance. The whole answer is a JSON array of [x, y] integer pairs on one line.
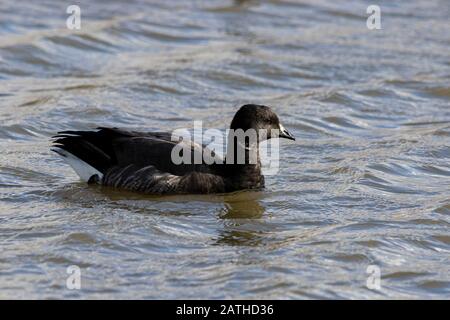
[[366, 183]]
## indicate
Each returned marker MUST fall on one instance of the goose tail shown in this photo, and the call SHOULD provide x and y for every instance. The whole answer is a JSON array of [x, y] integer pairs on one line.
[[82, 151], [85, 171]]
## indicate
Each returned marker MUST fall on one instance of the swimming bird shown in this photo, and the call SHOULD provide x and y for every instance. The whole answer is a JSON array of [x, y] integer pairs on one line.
[[143, 161]]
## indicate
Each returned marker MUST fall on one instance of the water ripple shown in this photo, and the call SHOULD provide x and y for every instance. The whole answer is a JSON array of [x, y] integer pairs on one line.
[[365, 183]]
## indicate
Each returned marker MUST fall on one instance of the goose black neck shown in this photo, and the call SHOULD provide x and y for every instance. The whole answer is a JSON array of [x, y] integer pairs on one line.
[[242, 166]]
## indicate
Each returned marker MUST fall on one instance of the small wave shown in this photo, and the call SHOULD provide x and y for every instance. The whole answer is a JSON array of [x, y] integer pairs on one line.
[[81, 42], [444, 209]]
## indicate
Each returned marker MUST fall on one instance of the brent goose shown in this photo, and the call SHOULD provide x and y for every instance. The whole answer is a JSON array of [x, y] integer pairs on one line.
[[142, 162]]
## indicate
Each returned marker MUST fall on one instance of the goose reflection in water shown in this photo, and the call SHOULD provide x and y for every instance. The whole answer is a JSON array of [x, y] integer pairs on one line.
[[242, 221]]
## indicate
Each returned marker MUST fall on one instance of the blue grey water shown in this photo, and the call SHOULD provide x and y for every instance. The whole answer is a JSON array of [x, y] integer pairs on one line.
[[367, 182]]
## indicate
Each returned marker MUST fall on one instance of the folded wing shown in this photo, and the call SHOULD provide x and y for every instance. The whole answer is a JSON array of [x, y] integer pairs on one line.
[[112, 148]]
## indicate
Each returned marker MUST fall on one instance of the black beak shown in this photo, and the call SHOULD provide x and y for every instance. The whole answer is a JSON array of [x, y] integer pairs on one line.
[[285, 134]]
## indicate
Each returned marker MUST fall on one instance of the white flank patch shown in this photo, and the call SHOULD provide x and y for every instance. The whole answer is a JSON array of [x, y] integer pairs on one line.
[[84, 170]]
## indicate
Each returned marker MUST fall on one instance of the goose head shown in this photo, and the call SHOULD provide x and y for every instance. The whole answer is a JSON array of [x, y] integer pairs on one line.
[[262, 119]]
